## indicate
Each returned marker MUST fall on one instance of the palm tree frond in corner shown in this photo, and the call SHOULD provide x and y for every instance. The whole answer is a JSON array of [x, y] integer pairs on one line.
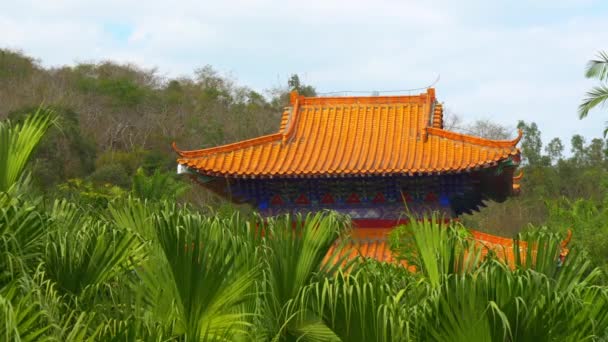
[[17, 142], [597, 96], [598, 68]]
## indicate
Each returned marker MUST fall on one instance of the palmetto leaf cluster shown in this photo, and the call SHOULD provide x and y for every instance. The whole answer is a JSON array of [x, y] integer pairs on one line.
[[152, 270], [598, 95]]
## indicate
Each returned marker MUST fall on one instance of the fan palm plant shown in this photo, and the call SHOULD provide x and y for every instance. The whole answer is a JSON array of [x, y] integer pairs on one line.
[[598, 95], [199, 274], [17, 142], [20, 315], [22, 230], [41, 314], [90, 256], [295, 250], [157, 186], [435, 248], [22, 226], [541, 299], [456, 296], [360, 307]]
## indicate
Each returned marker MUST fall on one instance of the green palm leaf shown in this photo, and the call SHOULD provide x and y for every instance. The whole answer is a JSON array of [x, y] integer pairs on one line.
[[21, 316], [436, 248], [134, 215], [295, 251], [17, 142], [597, 96], [84, 252], [598, 68], [358, 307], [157, 186], [22, 229], [199, 275]]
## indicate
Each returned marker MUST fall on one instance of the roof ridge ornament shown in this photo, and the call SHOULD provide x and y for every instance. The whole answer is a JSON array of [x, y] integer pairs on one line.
[[294, 99], [438, 116], [520, 134]]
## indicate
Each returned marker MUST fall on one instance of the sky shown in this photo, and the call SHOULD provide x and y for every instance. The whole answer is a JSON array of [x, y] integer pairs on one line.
[[501, 60]]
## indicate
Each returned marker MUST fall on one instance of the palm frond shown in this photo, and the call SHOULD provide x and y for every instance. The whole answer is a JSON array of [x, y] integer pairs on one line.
[[598, 68], [460, 312], [134, 215], [436, 248], [295, 252], [89, 254], [17, 142], [22, 229], [597, 96], [157, 186], [21, 316], [359, 308], [200, 275]]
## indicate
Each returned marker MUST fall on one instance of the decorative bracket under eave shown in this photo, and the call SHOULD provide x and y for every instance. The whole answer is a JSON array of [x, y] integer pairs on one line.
[[518, 177], [516, 184]]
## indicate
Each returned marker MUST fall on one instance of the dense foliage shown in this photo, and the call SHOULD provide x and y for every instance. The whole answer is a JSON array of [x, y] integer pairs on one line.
[[140, 267]]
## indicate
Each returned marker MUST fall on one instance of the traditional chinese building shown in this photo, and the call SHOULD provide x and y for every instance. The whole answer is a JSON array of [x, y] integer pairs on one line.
[[369, 157]]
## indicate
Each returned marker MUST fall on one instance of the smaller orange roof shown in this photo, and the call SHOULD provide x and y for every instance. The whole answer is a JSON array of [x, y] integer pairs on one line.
[[373, 243], [366, 243], [340, 136]]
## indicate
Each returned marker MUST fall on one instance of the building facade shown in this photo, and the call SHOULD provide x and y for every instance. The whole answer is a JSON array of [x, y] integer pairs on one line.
[[373, 158]]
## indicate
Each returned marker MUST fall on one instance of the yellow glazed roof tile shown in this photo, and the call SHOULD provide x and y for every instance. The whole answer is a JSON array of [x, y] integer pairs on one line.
[[324, 136]]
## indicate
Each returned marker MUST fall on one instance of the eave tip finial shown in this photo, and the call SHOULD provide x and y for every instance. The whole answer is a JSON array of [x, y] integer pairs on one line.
[[176, 149], [520, 134]]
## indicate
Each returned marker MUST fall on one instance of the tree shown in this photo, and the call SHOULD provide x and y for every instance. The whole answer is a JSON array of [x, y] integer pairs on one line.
[[555, 150], [598, 95], [487, 129], [531, 145], [295, 84], [451, 121], [595, 153], [578, 149], [480, 128]]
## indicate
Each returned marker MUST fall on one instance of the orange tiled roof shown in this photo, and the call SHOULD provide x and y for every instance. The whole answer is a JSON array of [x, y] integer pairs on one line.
[[372, 243], [324, 136], [366, 243]]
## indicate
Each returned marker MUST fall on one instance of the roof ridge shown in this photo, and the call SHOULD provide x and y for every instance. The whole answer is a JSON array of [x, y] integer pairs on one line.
[[343, 100], [292, 119], [475, 140]]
